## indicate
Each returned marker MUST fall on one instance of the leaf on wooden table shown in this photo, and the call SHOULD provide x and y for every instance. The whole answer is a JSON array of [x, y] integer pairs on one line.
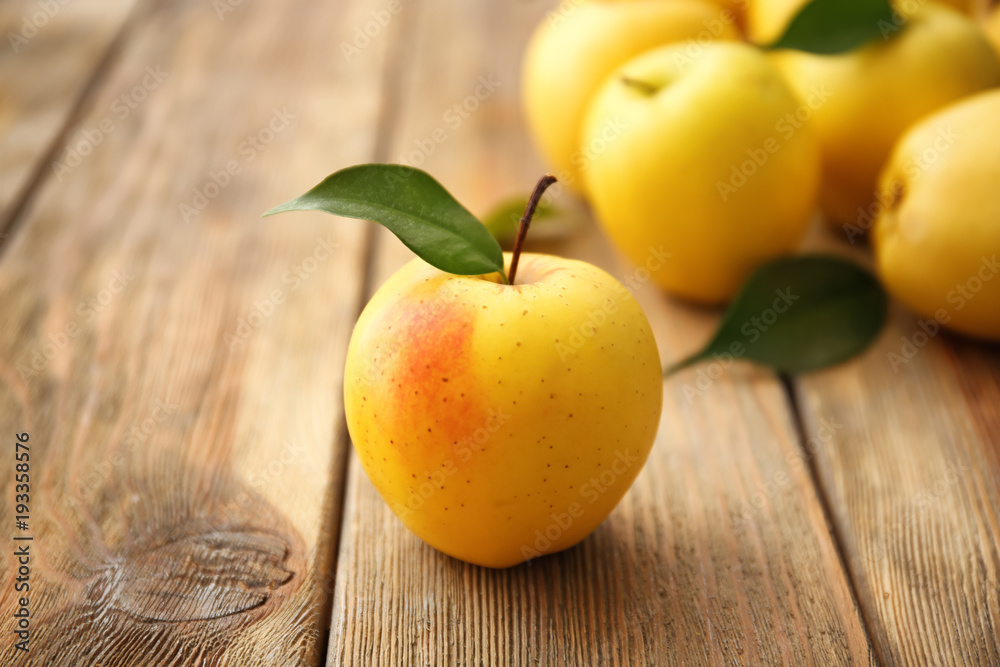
[[800, 314]]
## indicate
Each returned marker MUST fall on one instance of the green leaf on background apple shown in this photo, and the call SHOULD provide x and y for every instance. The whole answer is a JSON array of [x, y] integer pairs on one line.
[[828, 27], [414, 207], [549, 223], [502, 220], [800, 314]]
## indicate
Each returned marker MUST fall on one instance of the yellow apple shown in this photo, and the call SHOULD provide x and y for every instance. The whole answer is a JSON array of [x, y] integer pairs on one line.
[[737, 7], [579, 44], [766, 20], [876, 92], [992, 26], [502, 422], [717, 164], [937, 241], [909, 7]]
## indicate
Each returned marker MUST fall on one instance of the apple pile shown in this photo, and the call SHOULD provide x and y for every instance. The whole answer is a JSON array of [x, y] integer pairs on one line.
[[716, 129], [503, 403]]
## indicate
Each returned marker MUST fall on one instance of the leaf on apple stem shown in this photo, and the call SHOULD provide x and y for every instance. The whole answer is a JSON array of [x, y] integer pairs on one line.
[[800, 314], [414, 207], [828, 27]]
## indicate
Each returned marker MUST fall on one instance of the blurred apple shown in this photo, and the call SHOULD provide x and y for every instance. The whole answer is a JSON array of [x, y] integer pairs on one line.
[[579, 45], [766, 20], [737, 7], [876, 92], [993, 27], [937, 241], [714, 166]]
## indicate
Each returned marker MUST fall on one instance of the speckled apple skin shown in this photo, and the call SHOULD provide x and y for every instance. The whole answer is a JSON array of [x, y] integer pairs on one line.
[[501, 422]]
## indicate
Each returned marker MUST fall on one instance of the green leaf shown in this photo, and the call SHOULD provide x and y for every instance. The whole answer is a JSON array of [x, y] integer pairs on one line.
[[414, 207], [503, 220], [800, 314], [828, 27], [549, 223]]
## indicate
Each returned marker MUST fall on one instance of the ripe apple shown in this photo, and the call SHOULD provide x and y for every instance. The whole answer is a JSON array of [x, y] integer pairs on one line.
[[737, 8], [877, 91], [579, 44], [992, 26], [937, 242], [718, 164], [766, 20], [502, 422]]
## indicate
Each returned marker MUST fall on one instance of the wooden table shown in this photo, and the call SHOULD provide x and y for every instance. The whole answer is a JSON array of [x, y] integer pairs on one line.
[[177, 363]]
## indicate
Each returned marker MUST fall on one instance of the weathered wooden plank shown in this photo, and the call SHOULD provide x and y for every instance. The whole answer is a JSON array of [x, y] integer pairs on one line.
[[913, 482], [177, 361], [721, 552], [50, 54]]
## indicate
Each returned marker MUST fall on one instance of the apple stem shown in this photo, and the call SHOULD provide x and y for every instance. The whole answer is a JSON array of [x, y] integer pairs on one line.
[[529, 212], [641, 86]]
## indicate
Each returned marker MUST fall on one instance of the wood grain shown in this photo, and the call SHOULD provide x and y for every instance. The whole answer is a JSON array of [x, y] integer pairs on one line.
[[68, 42], [913, 483], [179, 369], [720, 553]]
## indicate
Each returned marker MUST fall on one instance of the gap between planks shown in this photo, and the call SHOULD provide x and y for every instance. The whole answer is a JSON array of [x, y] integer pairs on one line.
[[483, 635], [384, 135], [9, 224], [81, 107], [824, 500]]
